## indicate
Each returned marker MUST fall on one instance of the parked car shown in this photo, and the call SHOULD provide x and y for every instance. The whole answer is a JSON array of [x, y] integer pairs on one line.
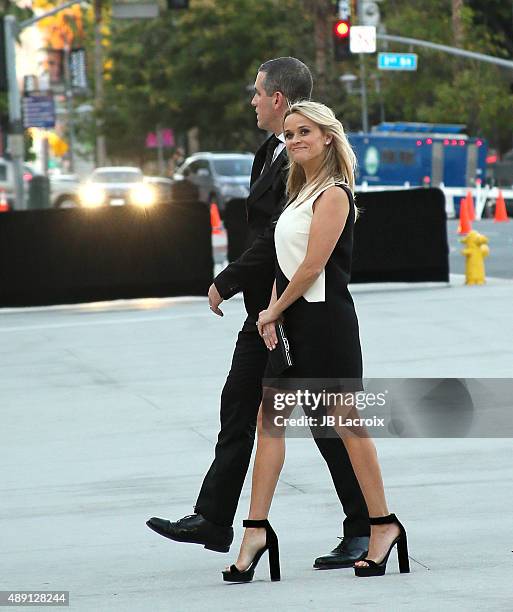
[[220, 177], [7, 179], [163, 188], [116, 186], [64, 190]]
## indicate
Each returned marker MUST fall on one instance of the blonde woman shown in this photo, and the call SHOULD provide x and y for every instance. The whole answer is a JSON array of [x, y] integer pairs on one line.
[[313, 240]]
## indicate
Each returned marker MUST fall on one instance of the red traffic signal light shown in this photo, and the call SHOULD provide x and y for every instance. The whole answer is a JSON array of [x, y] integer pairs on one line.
[[341, 32], [342, 28]]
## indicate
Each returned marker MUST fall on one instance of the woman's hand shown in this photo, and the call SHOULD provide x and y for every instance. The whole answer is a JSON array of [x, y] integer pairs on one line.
[[265, 319], [269, 335]]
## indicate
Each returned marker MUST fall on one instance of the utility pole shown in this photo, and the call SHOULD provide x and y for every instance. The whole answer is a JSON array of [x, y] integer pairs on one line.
[[69, 104], [160, 150], [15, 136], [368, 15], [101, 153], [15, 143], [363, 91]]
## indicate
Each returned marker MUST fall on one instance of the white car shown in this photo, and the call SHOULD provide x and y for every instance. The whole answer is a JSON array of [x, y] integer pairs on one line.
[[116, 186], [64, 190]]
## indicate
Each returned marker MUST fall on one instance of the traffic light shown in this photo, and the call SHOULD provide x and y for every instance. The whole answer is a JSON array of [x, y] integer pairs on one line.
[[177, 4], [341, 30], [368, 13]]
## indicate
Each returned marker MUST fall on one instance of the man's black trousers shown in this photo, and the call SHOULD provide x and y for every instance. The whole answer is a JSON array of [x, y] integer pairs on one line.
[[240, 400]]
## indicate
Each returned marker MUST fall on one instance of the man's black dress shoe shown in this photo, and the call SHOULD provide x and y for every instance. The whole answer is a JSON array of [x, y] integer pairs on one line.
[[345, 554], [196, 529]]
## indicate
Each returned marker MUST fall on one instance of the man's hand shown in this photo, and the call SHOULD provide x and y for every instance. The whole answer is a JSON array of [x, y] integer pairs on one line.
[[214, 299]]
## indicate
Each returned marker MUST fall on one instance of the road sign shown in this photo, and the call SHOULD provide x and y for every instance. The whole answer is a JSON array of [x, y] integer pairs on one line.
[[362, 39], [397, 61], [135, 9], [167, 139], [38, 111], [77, 66]]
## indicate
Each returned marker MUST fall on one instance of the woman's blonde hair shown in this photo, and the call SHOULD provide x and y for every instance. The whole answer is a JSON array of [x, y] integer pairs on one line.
[[339, 162]]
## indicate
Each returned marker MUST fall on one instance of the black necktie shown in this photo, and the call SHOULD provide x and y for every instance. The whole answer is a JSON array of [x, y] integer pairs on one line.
[[271, 147]]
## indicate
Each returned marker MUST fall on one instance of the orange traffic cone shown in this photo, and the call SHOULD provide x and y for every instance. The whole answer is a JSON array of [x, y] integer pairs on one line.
[[470, 207], [215, 219], [465, 224], [500, 209], [4, 206]]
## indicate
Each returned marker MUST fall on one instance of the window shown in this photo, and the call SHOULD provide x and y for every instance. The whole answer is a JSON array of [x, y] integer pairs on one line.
[[388, 156], [199, 164], [238, 166], [407, 157], [116, 177]]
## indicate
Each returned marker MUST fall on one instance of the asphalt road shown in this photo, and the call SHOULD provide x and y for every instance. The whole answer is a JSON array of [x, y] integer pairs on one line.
[[110, 413]]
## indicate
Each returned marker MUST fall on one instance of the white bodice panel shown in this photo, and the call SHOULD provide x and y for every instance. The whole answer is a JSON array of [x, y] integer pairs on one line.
[[291, 241]]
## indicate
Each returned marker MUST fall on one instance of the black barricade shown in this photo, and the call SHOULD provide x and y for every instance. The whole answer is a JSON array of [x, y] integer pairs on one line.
[[401, 236], [75, 255], [236, 225]]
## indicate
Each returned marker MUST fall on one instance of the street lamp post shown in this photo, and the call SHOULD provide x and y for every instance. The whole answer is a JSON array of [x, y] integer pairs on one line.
[[101, 150], [363, 93], [69, 104]]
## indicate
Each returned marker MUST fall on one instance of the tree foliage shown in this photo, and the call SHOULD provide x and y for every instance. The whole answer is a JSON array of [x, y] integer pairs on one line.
[[192, 68]]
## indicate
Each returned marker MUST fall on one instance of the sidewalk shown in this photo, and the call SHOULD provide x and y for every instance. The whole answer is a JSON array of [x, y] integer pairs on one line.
[[105, 423]]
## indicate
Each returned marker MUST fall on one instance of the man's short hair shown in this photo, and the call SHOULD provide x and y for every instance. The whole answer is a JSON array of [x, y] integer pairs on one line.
[[289, 76]]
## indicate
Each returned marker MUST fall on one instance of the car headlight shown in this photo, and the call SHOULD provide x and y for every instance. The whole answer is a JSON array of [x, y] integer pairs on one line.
[[234, 191], [91, 195], [143, 195]]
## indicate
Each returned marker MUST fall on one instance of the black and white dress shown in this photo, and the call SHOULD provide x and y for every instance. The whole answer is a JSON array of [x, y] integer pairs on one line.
[[322, 326]]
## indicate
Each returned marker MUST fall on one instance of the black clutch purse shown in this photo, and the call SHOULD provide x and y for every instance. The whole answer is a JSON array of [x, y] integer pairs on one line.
[[280, 358]]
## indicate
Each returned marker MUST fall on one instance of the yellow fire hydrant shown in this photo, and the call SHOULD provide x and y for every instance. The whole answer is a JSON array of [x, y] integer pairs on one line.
[[476, 249]]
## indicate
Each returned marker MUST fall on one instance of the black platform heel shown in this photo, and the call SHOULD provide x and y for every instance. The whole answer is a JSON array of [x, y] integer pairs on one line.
[[271, 544], [378, 569]]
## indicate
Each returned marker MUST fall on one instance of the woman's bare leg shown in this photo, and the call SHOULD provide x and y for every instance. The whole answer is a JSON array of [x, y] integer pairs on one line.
[[269, 458], [364, 459]]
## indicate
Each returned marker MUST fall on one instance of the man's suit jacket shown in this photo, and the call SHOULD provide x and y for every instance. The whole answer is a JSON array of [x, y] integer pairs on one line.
[[254, 272]]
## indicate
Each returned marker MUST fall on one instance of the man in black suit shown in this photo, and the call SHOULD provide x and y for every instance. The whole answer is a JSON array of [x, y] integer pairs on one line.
[[279, 82]]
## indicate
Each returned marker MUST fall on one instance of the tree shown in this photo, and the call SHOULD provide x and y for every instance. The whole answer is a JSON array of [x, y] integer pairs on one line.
[[323, 15], [495, 18], [194, 70], [457, 22]]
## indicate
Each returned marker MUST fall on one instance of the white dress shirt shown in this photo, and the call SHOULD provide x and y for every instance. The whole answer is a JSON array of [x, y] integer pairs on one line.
[[279, 147]]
